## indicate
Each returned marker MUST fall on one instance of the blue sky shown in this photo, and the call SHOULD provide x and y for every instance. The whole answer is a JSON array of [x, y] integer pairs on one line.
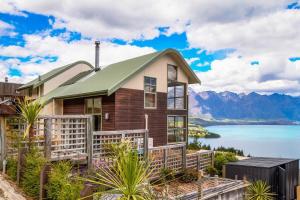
[[242, 47]]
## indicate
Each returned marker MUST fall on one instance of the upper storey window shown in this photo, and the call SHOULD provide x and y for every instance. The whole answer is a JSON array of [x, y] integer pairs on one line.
[[172, 73], [150, 92]]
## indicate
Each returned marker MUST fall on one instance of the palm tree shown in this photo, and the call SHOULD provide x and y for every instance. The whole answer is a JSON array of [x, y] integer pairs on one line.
[[259, 190], [30, 111], [129, 176]]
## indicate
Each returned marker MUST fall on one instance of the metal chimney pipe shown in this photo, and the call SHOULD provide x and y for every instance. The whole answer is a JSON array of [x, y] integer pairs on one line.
[[6, 79], [97, 48]]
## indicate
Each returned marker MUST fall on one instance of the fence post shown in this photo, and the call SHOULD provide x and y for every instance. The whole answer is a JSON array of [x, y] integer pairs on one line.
[[146, 136], [47, 137], [184, 157], [198, 162], [165, 158], [212, 159], [89, 142], [44, 176]]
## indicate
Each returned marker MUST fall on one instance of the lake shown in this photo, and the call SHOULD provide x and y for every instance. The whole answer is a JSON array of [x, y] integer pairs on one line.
[[258, 140]]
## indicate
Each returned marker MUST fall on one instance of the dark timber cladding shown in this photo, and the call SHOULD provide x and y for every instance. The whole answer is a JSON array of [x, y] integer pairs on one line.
[[281, 174], [130, 114], [126, 111]]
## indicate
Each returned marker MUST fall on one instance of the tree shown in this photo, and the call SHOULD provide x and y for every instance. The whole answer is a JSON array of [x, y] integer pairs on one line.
[[30, 111], [259, 190]]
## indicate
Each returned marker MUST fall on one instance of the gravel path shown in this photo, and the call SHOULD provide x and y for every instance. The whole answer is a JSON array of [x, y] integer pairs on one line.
[[7, 191]]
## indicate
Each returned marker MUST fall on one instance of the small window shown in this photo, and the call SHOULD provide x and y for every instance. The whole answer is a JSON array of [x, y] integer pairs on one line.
[[93, 106], [176, 129], [150, 92], [172, 73]]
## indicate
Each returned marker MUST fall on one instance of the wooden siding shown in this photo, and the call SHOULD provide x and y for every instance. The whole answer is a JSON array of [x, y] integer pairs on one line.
[[9, 89], [108, 106], [73, 106], [130, 114], [126, 111]]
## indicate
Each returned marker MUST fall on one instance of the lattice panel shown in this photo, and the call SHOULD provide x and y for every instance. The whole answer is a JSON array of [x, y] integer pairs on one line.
[[192, 161], [174, 158]]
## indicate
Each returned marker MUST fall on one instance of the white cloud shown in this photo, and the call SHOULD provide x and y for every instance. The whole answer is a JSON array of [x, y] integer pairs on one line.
[[38, 47], [140, 19], [6, 29], [269, 39], [259, 30]]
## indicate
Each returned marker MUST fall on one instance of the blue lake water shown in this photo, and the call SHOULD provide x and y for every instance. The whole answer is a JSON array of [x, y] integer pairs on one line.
[[258, 140]]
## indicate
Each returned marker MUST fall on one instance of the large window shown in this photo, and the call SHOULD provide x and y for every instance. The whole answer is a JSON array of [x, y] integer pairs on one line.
[[176, 96], [150, 92], [93, 106], [176, 129], [172, 73]]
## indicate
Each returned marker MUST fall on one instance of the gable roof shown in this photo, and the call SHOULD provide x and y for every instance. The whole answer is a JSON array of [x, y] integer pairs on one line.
[[45, 77], [112, 77]]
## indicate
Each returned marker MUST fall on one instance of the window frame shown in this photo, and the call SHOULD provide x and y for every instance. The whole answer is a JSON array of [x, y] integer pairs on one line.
[[176, 78], [184, 97], [185, 128], [149, 92], [92, 113]]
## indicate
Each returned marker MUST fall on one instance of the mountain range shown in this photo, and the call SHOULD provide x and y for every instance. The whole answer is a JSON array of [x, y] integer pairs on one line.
[[253, 106]]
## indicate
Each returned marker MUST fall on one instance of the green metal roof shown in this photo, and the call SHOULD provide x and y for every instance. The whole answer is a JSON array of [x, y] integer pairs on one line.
[[45, 77], [111, 78]]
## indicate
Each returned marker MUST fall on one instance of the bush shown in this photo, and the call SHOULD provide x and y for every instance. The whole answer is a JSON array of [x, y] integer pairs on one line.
[[167, 174], [230, 149], [195, 145], [61, 185], [30, 181], [222, 159], [211, 171], [12, 165], [188, 176]]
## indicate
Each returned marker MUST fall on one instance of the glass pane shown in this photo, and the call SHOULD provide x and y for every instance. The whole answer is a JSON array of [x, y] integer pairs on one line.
[[147, 88], [179, 135], [171, 92], [147, 80], [89, 106], [180, 91], [171, 122], [179, 123], [179, 103], [171, 103], [172, 73], [153, 88], [153, 81], [149, 100], [97, 105], [171, 136]]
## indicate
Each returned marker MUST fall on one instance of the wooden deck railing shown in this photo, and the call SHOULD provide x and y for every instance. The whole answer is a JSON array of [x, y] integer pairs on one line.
[[71, 137]]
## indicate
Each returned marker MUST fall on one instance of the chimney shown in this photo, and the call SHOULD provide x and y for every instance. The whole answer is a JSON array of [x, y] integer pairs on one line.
[[6, 79], [97, 47]]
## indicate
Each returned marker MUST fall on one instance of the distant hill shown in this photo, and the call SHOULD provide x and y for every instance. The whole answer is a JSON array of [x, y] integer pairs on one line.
[[243, 107]]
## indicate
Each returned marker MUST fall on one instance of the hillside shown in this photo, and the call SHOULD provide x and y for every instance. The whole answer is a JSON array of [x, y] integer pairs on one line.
[[244, 107]]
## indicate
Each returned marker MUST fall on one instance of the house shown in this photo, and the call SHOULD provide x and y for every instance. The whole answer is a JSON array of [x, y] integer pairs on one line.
[[8, 96], [281, 174], [119, 95]]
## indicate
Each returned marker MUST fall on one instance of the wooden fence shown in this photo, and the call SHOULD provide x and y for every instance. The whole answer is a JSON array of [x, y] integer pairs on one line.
[[70, 137]]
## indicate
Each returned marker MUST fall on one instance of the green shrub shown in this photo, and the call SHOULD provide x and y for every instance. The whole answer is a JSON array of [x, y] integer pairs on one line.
[[188, 176], [30, 181], [11, 168], [167, 174], [222, 159], [61, 185], [211, 171], [195, 145], [230, 149]]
